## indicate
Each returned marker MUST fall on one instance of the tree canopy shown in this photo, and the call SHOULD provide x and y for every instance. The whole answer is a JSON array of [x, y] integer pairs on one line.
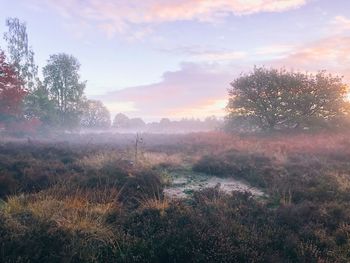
[[277, 98], [11, 92], [21, 55], [57, 101], [121, 121], [62, 80], [95, 115]]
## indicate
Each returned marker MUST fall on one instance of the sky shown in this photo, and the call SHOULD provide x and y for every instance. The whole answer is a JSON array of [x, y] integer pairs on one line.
[[176, 58]]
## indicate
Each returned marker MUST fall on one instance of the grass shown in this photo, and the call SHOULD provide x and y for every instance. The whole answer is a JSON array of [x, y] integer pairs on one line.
[[79, 202], [156, 203], [75, 216]]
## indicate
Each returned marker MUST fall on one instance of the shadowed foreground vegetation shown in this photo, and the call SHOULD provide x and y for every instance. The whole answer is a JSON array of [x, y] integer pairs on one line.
[[93, 202]]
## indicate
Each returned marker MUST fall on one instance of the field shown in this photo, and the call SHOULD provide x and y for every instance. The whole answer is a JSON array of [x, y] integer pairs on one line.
[[201, 197]]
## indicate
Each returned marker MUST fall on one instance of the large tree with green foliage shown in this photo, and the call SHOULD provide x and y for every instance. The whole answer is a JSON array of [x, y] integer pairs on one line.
[[20, 54], [276, 99], [62, 80]]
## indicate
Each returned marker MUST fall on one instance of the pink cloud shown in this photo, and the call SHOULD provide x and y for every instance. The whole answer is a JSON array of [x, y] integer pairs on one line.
[[116, 16], [194, 90], [331, 54]]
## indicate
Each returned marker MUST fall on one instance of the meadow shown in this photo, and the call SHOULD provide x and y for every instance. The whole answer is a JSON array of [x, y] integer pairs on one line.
[[103, 198]]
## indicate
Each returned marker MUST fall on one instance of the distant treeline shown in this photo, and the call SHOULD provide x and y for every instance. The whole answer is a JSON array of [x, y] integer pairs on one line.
[[123, 122]]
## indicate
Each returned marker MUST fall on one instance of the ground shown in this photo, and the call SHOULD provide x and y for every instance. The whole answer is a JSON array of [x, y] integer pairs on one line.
[[202, 197]]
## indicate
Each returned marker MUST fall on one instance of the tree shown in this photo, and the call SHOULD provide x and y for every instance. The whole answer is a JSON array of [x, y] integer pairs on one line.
[[121, 121], [211, 122], [38, 105], [164, 122], [276, 99], [137, 123], [11, 92], [21, 56], [95, 115], [62, 80]]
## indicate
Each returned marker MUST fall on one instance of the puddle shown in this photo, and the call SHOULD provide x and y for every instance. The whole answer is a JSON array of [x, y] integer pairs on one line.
[[183, 185]]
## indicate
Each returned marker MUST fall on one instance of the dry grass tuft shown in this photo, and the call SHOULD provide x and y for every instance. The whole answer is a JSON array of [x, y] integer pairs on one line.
[[75, 213], [155, 203], [158, 158], [100, 159]]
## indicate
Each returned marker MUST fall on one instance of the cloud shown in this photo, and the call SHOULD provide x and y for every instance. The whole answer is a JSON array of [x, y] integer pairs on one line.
[[203, 108], [116, 16], [275, 51], [125, 106], [220, 56], [331, 53], [198, 53], [197, 90], [200, 89], [340, 24]]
